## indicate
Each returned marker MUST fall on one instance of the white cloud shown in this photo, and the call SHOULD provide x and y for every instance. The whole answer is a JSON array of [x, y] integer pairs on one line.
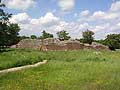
[[104, 15], [115, 6], [49, 19], [101, 27], [118, 24], [19, 4], [84, 13], [111, 15], [66, 5], [48, 22], [20, 18], [98, 14], [102, 23]]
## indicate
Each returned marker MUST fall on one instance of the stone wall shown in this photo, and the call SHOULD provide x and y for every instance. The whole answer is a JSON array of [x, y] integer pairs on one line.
[[64, 46], [96, 46], [29, 44], [54, 48], [51, 44], [74, 46]]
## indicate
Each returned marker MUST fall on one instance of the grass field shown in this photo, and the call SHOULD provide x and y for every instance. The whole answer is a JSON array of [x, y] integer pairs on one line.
[[65, 70], [14, 58]]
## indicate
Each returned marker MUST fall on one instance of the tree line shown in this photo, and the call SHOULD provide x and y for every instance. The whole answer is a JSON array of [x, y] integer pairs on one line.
[[9, 34], [62, 35]]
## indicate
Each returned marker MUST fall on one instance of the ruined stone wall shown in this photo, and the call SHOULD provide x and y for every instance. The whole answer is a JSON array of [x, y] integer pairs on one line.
[[36, 44], [74, 46], [29, 44], [51, 44], [54, 48], [64, 46], [96, 46]]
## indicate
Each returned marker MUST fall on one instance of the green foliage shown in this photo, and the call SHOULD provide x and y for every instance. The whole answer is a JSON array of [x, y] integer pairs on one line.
[[113, 41], [63, 35], [13, 37], [8, 31], [9, 34], [4, 17], [46, 35], [87, 37], [33, 37]]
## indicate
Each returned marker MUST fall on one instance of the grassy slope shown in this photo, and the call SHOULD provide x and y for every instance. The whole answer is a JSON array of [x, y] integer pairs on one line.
[[14, 58], [73, 70]]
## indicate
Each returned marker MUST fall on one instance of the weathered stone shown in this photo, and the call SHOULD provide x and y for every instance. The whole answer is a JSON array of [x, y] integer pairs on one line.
[[52, 44], [96, 46], [99, 46], [29, 44], [13, 46]]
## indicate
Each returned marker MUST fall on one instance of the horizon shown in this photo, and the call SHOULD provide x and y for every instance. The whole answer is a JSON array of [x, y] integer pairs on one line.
[[74, 16]]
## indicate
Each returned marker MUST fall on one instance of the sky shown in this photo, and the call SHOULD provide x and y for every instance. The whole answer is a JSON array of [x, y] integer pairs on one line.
[[75, 16]]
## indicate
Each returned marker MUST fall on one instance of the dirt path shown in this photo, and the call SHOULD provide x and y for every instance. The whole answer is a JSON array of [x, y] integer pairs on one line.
[[23, 67]]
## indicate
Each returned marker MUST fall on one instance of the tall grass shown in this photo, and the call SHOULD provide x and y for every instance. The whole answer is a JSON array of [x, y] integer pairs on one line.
[[16, 58], [19, 57], [66, 70]]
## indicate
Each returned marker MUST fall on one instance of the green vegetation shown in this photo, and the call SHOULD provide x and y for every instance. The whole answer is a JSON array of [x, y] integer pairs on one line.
[[113, 41], [87, 37], [63, 35], [46, 35], [65, 70], [15, 58], [8, 31], [33, 37]]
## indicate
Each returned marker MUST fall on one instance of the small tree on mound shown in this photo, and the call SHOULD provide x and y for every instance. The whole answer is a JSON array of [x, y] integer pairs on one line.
[[63, 35], [87, 37], [33, 37], [46, 35]]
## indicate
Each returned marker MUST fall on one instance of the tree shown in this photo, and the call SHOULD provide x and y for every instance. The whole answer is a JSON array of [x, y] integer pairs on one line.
[[113, 41], [63, 35], [13, 37], [87, 37], [8, 31], [9, 34], [33, 37], [46, 35], [4, 17]]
